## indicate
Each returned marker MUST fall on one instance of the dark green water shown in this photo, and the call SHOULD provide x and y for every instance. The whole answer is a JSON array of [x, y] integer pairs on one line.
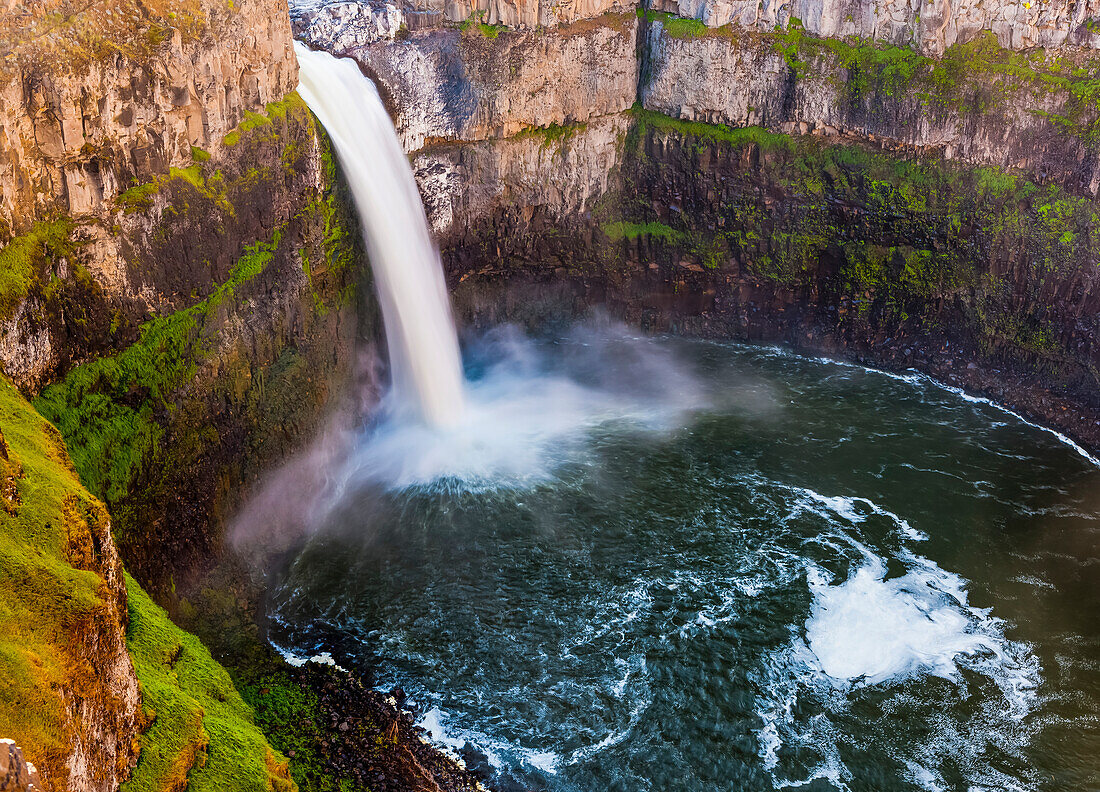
[[711, 567]]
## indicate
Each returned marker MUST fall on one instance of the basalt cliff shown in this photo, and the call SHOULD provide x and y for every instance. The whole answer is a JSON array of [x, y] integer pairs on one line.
[[907, 187], [184, 298]]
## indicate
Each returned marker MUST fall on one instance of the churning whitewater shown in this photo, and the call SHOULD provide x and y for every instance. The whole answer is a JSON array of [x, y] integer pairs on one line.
[[806, 575], [420, 334], [646, 564]]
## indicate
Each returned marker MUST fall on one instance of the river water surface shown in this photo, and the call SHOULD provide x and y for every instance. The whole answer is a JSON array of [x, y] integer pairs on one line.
[[685, 566]]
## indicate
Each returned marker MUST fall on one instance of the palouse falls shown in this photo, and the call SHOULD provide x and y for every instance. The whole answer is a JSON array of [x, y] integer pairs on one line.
[[549, 397]]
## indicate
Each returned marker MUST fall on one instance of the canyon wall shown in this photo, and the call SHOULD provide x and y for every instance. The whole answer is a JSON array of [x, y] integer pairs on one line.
[[182, 270], [180, 277], [906, 186], [100, 96]]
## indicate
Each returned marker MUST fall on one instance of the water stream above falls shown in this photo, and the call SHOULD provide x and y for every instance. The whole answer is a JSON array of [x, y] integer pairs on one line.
[[712, 567]]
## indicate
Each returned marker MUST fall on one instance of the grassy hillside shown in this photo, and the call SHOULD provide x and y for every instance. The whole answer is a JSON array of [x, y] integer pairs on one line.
[[44, 599], [202, 736], [196, 731]]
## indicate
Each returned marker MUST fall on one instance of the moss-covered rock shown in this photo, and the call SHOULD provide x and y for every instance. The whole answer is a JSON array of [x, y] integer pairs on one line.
[[73, 632], [200, 733], [67, 692]]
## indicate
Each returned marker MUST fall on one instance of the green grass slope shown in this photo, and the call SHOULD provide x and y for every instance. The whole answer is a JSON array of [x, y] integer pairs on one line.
[[202, 736], [44, 600], [198, 734]]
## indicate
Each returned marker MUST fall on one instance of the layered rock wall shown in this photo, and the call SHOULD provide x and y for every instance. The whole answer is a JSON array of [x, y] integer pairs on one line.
[[445, 84], [99, 96], [930, 27], [977, 104]]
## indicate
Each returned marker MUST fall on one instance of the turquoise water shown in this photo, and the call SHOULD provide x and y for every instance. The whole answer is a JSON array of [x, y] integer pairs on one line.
[[684, 566]]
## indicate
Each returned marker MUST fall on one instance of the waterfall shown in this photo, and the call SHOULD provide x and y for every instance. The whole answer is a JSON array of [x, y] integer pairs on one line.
[[420, 333]]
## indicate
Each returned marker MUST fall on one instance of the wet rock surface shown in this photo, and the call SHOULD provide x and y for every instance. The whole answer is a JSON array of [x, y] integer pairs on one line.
[[335, 728], [367, 740]]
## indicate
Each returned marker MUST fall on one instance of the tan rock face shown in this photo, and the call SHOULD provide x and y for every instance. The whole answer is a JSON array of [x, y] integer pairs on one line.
[[16, 773], [513, 13], [449, 85], [931, 27], [119, 91], [104, 701], [556, 178], [744, 81]]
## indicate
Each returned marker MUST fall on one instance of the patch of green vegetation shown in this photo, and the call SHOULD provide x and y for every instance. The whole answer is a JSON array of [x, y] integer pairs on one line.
[[876, 67], [108, 409], [45, 602], [680, 27], [716, 133], [553, 135], [290, 716], [474, 24], [139, 198], [27, 258], [620, 230], [290, 105], [202, 735], [199, 155], [192, 175], [914, 232], [976, 76]]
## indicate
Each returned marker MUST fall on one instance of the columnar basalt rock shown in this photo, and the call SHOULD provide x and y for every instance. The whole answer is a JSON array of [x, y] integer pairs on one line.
[[346, 20], [968, 108], [930, 27], [554, 175], [99, 96], [451, 85]]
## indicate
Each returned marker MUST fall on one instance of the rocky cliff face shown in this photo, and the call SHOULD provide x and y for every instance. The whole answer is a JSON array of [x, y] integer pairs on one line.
[[100, 96], [447, 84], [171, 220], [930, 27], [102, 99], [70, 695], [978, 103], [179, 274], [906, 186]]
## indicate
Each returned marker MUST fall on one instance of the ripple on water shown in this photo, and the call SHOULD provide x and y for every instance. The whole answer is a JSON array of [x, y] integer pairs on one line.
[[683, 595]]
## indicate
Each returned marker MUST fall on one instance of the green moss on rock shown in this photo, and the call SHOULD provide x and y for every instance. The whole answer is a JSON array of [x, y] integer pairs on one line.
[[27, 259], [201, 734], [44, 599], [108, 409]]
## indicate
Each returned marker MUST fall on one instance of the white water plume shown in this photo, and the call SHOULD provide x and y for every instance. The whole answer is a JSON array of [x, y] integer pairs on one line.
[[529, 414], [420, 333]]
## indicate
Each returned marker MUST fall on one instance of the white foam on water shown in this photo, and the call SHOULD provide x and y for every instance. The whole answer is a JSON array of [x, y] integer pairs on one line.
[[914, 377], [924, 778], [444, 734], [870, 629], [527, 416], [296, 660]]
